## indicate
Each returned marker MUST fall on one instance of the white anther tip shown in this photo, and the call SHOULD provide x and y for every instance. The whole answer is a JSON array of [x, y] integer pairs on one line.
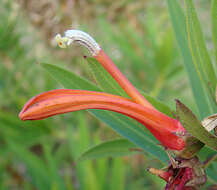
[[62, 41], [80, 37]]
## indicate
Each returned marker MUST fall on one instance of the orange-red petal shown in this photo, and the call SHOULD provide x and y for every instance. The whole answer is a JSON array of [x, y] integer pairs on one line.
[[112, 69], [61, 101]]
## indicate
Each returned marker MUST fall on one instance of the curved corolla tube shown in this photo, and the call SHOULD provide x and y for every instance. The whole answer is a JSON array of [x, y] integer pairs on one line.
[[96, 51], [164, 128]]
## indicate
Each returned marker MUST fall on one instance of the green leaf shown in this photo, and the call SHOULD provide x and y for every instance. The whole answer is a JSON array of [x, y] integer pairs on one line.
[[214, 24], [178, 22], [108, 84], [113, 148], [104, 79], [133, 131], [118, 175], [54, 177], [69, 79], [194, 127], [200, 55]]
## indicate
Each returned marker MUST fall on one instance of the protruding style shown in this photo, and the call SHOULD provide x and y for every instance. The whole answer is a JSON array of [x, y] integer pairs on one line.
[[80, 37], [97, 52]]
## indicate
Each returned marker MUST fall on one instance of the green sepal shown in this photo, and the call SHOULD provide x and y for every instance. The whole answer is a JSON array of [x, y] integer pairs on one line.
[[196, 135]]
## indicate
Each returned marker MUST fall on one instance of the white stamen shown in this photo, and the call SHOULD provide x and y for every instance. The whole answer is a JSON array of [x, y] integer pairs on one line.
[[79, 37]]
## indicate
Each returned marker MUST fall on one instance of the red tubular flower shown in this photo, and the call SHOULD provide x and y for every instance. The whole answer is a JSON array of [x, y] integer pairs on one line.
[[66, 100], [54, 102], [108, 64]]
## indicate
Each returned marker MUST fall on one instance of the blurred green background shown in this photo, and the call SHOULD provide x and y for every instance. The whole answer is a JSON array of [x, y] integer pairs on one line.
[[137, 35]]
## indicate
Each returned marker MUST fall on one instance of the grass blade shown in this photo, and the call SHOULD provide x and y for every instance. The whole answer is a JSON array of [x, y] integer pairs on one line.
[[214, 24], [197, 44], [200, 56], [118, 173], [178, 22], [54, 177]]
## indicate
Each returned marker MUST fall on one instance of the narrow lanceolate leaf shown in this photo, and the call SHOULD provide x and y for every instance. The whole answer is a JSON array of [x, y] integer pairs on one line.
[[214, 24], [122, 125], [199, 51], [178, 21], [69, 79], [104, 79], [194, 127], [108, 84], [52, 167], [113, 148]]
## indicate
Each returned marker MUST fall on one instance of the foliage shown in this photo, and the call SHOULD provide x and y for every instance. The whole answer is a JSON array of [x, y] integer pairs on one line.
[[44, 155]]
